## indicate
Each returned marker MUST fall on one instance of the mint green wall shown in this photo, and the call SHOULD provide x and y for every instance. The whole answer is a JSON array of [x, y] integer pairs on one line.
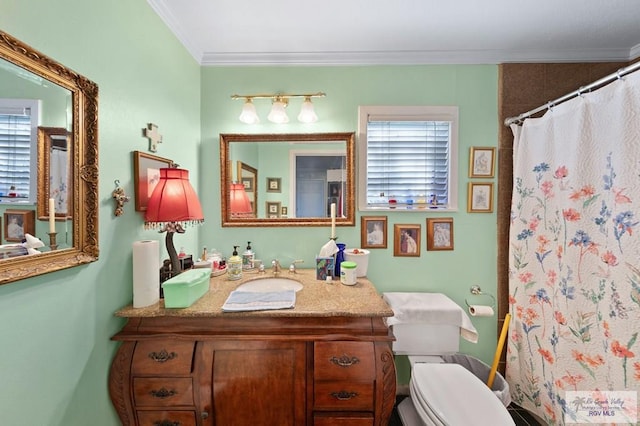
[[55, 329], [473, 88]]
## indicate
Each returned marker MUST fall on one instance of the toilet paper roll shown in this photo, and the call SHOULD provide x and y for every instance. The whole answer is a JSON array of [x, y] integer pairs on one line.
[[146, 273], [481, 311]]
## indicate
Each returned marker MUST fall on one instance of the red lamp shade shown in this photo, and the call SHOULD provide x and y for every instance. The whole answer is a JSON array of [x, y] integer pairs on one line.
[[173, 199], [238, 200]]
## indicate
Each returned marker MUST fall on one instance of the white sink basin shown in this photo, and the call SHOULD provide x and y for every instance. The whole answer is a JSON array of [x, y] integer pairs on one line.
[[270, 284]]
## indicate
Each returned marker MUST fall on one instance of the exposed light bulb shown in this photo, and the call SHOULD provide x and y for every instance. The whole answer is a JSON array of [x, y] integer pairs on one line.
[[278, 115], [248, 114], [307, 113]]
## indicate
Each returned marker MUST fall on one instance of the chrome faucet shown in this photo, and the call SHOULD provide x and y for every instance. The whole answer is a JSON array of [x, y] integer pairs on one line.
[[292, 267], [275, 266]]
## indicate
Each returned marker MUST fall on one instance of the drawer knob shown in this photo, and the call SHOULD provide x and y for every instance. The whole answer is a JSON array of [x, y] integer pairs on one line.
[[162, 356], [163, 393], [165, 423], [344, 361], [344, 395]]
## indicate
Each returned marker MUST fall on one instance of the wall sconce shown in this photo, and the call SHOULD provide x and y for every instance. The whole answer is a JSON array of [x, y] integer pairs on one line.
[[279, 102]]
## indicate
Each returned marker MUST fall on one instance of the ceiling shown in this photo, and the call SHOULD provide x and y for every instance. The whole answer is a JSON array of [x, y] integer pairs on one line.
[[369, 32]]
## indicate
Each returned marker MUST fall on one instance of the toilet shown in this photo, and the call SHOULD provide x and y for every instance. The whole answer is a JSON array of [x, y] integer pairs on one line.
[[427, 328]]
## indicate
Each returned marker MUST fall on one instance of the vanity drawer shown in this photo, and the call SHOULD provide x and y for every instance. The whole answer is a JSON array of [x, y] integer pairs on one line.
[[162, 392], [343, 420], [158, 418], [162, 357], [344, 360], [343, 396]]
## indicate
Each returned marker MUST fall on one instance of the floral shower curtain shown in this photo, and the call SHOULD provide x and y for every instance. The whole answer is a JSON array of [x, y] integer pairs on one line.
[[574, 286]]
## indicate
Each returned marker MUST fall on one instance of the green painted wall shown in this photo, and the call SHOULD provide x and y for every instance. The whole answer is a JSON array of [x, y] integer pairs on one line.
[[55, 329], [473, 88]]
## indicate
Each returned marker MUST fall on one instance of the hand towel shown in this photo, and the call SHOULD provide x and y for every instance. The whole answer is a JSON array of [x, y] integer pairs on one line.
[[239, 301], [430, 308]]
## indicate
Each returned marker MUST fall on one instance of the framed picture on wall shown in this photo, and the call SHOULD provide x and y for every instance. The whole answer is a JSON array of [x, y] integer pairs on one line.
[[406, 240], [440, 233], [482, 162], [273, 184], [373, 232], [146, 175], [248, 184], [480, 197], [17, 223], [273, 209]]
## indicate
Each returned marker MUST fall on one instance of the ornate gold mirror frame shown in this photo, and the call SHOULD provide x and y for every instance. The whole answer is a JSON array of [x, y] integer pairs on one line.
[[84, 165], [269, 142]]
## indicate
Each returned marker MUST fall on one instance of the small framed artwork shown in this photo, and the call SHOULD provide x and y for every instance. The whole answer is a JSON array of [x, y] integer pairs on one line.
[[373, 232], [480, 197], [482, 162], [273, 209], [273, 184], [284, 211], [146, 174], [440, 233], [17, 223], [406, 240], [248, 183], [54, 178]]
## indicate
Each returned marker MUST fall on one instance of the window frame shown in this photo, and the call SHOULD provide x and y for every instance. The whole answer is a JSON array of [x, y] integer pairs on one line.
[[8, 104], [412, 113]]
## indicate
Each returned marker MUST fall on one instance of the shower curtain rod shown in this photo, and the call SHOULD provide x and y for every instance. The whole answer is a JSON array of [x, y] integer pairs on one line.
[[584, 89]]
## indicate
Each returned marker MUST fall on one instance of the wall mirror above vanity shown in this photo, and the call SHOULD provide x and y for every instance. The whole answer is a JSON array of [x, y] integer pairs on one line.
[[62, 157], [287, 179]]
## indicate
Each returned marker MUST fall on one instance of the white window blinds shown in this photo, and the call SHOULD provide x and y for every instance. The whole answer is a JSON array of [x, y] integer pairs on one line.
[[18, 136], [15, 153], [407, 161]]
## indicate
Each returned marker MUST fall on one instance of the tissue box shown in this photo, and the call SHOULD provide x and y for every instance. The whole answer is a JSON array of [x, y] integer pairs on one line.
[[183, 290], [324, 267]]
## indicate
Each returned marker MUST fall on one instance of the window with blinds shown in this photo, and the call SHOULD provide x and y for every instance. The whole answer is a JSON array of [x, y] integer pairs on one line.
[[408, 158], [18, 136]]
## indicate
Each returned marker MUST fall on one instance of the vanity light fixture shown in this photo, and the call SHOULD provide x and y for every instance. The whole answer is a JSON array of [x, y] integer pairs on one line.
[[173, 205], [278, 113]]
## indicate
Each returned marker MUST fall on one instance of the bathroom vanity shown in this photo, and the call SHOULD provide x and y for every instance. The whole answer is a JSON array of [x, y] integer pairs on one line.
[[326, 362]]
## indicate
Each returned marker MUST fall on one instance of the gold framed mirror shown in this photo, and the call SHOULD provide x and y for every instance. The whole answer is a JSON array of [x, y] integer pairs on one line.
[[302, 174], [38, 73]]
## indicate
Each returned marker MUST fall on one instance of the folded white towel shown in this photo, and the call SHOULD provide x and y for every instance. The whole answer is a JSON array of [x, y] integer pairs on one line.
[[429, 308], [257, 301]]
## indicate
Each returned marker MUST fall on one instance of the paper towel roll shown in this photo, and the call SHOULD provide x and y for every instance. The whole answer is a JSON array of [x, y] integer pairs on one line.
[[146, 273], [481, 311]]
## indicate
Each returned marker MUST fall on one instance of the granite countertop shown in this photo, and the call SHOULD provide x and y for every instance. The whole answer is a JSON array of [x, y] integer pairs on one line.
[[315, 299]]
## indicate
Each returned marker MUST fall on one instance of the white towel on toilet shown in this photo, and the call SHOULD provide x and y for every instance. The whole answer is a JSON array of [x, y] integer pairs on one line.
[[430, 308]]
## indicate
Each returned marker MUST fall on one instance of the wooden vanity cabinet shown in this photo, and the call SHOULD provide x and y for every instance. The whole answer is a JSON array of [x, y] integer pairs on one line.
[[323, 371]]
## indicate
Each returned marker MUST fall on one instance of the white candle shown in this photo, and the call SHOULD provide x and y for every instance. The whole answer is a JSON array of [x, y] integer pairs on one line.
[[52, 216], [333, 220]]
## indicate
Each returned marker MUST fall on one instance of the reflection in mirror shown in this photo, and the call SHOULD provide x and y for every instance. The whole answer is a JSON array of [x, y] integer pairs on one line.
[[54, 174], [301, 175], [67, 113]]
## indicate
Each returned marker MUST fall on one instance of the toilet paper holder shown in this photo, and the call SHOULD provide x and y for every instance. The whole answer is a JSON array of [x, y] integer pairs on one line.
[[477, 291]]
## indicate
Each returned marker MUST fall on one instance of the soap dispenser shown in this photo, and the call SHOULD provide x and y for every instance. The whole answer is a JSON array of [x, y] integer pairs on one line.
[[234, 265], [247, 258]]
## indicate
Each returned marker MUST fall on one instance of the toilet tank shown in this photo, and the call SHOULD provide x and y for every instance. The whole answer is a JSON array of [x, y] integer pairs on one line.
[[425, 339]]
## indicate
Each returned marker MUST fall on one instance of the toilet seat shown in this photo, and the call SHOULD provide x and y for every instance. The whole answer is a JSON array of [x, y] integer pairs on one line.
[[450, 395]]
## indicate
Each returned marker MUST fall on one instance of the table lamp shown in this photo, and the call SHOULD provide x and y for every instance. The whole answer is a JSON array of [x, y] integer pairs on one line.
[[239, 203], [173, 205]]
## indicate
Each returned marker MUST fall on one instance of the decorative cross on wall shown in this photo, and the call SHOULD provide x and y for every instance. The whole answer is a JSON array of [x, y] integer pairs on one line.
[[155, 138]]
